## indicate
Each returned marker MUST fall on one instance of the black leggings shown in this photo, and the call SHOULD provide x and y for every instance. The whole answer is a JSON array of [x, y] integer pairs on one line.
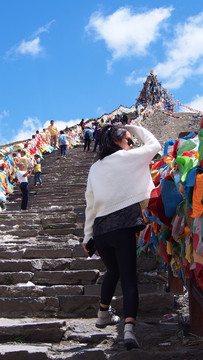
[[87, 144], [118, 251], [24, 189]]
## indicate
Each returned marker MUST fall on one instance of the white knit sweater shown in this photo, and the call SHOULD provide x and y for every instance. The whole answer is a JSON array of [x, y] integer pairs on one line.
[[120, 179]]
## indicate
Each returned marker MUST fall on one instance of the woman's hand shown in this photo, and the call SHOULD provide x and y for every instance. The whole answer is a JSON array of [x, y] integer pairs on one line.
[[84, 247]]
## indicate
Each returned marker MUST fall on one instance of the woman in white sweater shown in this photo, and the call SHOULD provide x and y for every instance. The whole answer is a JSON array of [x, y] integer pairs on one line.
[[116, 185]]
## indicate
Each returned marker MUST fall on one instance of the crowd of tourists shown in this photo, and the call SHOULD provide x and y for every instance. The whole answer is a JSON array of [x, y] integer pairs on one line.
[[18, 161]]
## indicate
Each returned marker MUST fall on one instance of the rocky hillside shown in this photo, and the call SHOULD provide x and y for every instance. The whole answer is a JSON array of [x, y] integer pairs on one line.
[[166, 127]]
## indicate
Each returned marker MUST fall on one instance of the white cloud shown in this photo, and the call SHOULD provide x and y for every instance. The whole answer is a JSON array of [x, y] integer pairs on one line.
[[131, 80], [126, 33], [4, 113], [32, 47], [197, 103], [3, 139], [44, 28], [99, 110], [30, 125], [184, 53], [61, 125]]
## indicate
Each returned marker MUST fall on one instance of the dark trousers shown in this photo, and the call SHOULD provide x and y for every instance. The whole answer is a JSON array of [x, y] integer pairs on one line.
[[38, 178], [96, 142], [24, 189], [87, 144], [118, 251], [63, 149]]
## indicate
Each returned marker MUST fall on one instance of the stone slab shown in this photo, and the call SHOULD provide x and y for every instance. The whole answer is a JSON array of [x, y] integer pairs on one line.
[[14, 291], [159, 303], [65, 277], [64, 231], [78, 251], [40, 253], [15, 278], [87, 264], [56, 264], [23, 352], [31, 331], [78, 306], [11, 254], [57, 290], [27, 306], [20, 265]]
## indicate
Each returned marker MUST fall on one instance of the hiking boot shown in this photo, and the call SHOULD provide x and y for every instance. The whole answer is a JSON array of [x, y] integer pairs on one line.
[[130, 340], [105, 318]]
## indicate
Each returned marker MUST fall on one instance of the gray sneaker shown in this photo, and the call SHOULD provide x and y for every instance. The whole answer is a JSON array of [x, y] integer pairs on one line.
[[130, 340], [105, 318]]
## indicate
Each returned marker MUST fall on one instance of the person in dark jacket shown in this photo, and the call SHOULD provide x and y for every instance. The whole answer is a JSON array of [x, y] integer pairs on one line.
[[97, 134], [87, 137]]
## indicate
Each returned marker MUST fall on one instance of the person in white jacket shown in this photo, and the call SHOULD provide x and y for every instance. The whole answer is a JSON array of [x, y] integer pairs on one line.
[[116, 185]]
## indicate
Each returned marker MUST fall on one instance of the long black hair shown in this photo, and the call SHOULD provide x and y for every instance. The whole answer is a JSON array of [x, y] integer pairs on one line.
[[109, 134]]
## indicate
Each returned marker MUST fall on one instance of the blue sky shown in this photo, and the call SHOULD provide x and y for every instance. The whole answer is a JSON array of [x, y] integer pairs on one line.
[[71, 59]]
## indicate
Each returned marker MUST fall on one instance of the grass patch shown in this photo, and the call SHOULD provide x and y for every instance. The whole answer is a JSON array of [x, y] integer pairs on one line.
[[9, 279]]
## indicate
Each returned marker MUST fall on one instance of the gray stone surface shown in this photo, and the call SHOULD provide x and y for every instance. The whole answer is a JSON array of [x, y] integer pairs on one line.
[[55, 252], [32, 331], [20, 265], [28, 306], [23, 352], [14, 278], [77, 306], [66, 277]]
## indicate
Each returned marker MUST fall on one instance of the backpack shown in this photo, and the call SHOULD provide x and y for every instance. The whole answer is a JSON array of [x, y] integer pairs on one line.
[[62, 139], [87, 135]]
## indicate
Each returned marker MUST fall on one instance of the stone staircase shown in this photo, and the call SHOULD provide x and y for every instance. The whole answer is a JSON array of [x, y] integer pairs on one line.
[[49, 288], [42, 264]]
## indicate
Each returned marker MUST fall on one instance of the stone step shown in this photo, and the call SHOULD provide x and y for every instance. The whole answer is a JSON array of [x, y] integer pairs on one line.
[[7, 223], [11, 241], [8, 278], [51, 264], [31, 290], [95, 289], [20, 233], [83, 340], [51, 252], [67, 189], [69, 199], [62, 220], [19, 227], [72, 277], [29, 214], [63, 306], [57, 277], [20, 265], [23, 352], [36, 230], [58, 225], [30, 330], [65, 231], [45, 205], [9, 246], [72, 306]]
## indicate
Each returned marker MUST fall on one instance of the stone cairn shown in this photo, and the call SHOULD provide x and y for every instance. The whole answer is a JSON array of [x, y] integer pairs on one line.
[[49, 288]]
